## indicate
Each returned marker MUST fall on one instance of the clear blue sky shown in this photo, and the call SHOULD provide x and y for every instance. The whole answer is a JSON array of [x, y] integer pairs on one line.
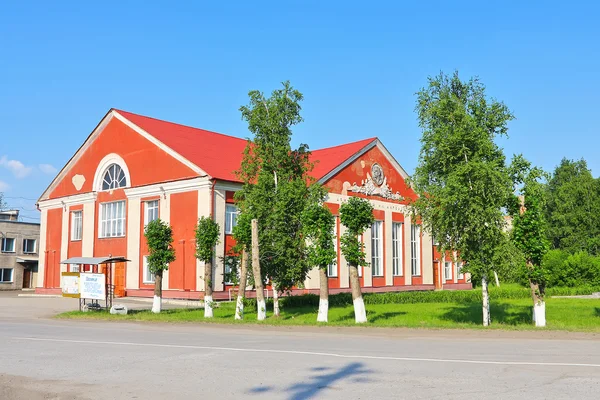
[[64, 64]]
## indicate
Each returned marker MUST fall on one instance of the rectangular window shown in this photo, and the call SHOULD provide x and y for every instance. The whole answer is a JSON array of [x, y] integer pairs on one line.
[[151, 211], [112, 221], [148, 276], [415, 250], [231, 214], [377, 248], [74, 267], [447, 270], [76, 225], [459, 272], [332, 268], [397, 248], [29, 246], [8, 245], [6, 275]]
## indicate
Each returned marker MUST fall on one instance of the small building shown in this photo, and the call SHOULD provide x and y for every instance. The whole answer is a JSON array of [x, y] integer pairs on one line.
[[18, 252], [133, 169]]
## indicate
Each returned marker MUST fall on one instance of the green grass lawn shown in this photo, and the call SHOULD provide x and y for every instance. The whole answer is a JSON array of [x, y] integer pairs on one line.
[[561, 314]]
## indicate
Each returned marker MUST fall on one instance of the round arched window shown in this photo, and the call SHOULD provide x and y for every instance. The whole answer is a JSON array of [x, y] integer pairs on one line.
[[114, 178]]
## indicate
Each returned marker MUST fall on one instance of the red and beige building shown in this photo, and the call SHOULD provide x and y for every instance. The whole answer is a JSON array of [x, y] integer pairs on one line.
[[132, 169]]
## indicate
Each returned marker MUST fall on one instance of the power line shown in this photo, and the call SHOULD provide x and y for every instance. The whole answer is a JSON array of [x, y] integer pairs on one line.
[[19, 198]]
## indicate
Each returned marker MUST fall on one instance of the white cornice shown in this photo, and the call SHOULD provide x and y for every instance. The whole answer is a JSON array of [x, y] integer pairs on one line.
[[232, 186], [68, 201], [169, 187]]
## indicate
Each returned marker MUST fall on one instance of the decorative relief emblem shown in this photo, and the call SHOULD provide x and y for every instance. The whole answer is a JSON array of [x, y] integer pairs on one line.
[[78, 181], [376, 185]]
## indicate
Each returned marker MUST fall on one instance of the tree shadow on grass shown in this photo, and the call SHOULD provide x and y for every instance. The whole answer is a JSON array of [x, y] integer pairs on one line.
[[374, 317], [502, 313], [326, 379], [598, 312]]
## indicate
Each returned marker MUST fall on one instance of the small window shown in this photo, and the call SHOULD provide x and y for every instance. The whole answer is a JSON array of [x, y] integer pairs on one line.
[[112, 219], [377, 248], [231, 214], [332, 268], [148, 276], [76, 225], [447, 270], [397, 248], [459, 272], [8, 245], [415, 250], [29, 246], [74, 267], [6, 275], [114, 178], [151, 211], [231, 270]]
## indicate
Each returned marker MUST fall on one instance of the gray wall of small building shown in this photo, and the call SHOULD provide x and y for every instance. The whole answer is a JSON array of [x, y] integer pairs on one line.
[[19, 231]]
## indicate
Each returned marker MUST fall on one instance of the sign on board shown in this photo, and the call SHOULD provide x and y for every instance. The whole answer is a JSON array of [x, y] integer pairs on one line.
[[92, 286], [70, 284]]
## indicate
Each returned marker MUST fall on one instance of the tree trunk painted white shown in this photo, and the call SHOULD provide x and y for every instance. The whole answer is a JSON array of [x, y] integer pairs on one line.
[[497, 280], [323, 296], [239, 307], [261, 312], [208, 306], [539, 314], [275, 301], [360, 313], [157, 302], [485, 296]]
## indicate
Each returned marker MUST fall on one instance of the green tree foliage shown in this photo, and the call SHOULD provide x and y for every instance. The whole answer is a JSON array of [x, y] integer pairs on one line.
[[357, 216], [571, 270], [573, 208], [318, 223], [275, 190], [528, 223], [461, 178], [207, 237], [159, 237]]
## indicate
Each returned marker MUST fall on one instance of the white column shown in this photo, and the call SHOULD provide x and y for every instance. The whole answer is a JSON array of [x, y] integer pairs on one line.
[[344, 270], [427, 256], [132, 278], [64, 240], [164, 212], [407, 253], [454, 266], [219, 207], [203, 211], [87, 234], [388, 256], [42, 248], [367, 271]]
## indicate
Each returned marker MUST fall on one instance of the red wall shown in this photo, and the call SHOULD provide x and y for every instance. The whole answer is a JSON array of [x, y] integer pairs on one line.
[[136, 150], [184, 212], [53, 241]]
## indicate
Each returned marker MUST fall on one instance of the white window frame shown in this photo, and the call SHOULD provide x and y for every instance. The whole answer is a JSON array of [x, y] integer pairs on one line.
[[108, 225], [148, 277], [377, 248], [115, 177], [459, 273], [76, 225], [4, 248], [75, 268], [3, 273], [34, 246], [397, 241], [151, 207], [231, 214], [332, 270], [415, 250], [447, 270]]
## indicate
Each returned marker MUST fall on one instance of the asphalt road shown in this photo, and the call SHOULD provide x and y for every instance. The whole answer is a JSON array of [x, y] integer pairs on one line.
[[50, 359]]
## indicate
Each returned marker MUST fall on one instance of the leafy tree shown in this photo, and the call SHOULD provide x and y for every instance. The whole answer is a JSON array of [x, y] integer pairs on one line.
[[243, 237], [357, 216], [275, 188], [573, 208], [207, 237], [318, 223], [529, 229], [159, 237], [461, 178]]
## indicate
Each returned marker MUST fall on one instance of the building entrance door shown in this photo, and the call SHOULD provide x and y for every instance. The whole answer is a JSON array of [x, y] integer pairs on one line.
[[120, 279], [26, 278]]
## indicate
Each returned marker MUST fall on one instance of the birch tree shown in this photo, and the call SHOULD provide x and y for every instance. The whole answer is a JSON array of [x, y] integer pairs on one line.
[[357, 216], [275, 188], [243, 237], [461, 178], [159, 237], [207, 237], [529, 230], [318, 223]]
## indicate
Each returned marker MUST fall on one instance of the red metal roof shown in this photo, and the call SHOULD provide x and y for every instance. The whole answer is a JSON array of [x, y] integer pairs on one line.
[[220, 155]]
